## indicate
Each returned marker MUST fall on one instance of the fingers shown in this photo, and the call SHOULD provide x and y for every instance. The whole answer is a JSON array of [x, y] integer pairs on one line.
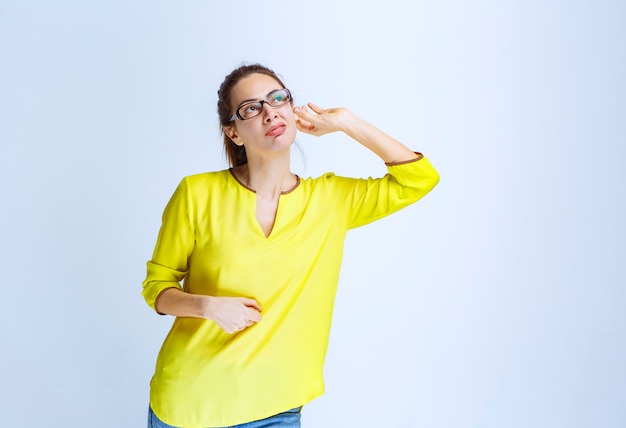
[[303, 113], [305, 120], [251, 314], [254, 316], [317, 109], [235, 329], [234, 314], [251, 303], [304, 126], [245, 322]]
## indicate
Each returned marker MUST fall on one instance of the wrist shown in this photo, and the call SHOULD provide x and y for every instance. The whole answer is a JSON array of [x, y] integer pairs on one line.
[[207, 307], [348, 122]]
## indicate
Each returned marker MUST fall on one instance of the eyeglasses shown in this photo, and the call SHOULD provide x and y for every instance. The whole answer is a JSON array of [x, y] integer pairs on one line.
[[249, 110]]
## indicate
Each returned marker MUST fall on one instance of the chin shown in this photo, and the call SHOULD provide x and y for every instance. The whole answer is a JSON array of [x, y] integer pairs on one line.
[[286, 139]]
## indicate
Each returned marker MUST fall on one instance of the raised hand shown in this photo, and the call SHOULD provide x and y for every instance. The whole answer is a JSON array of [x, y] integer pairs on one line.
[[320, 121], [323, 121]]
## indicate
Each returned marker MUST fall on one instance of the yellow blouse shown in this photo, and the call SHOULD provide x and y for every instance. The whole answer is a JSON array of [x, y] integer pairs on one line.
[[211, 240]]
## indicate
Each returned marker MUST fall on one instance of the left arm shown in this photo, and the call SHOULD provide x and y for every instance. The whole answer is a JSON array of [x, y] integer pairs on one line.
[[324, 121], [410, 176]]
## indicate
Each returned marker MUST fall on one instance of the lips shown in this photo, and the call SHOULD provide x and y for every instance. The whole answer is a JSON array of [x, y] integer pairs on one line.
[[276, 130]]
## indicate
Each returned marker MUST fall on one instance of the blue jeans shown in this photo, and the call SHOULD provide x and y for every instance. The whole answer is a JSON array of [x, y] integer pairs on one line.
[[288, 419]]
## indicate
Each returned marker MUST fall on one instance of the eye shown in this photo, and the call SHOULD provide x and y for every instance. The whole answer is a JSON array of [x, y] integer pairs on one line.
[[250, 109], [279, 97]]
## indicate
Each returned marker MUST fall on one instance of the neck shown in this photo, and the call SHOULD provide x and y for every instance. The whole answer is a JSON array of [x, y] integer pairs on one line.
[[268, 177]]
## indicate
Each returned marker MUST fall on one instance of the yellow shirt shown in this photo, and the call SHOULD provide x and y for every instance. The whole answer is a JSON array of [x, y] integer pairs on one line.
[[211, 240]]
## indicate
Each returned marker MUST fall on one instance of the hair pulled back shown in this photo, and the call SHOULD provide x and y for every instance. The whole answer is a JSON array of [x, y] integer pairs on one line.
[[236, 154]]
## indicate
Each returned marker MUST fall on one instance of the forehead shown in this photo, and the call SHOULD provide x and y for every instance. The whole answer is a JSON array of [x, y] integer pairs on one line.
[[254, 87]]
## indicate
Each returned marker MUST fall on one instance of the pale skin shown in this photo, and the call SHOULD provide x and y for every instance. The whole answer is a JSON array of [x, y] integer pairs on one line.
[[268, 173]]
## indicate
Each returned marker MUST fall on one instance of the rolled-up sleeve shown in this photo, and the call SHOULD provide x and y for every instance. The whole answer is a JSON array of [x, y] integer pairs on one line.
[[175, 243], [365, 200]]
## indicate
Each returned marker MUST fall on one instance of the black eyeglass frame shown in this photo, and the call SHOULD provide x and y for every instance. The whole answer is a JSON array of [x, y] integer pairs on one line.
[[260, 103]]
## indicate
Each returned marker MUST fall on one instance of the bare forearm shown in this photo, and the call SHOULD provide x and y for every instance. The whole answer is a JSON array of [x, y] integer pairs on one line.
[[325, 121], [230, 313], [386, 147], [174, 301]]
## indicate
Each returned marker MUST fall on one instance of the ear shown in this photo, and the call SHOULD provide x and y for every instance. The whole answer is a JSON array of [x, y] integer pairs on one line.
[[231, 132]]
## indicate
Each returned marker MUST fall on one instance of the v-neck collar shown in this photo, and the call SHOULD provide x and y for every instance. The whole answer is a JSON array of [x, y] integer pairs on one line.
[[283, 192]]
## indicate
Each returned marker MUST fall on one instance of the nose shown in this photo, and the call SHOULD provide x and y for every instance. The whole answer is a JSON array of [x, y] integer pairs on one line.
[[269, 112]]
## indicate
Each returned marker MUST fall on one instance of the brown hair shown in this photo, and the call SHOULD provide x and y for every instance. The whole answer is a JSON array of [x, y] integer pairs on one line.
[[236, 154]]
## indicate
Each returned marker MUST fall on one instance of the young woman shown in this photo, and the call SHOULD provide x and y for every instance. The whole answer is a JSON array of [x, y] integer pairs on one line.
[[259, 251]]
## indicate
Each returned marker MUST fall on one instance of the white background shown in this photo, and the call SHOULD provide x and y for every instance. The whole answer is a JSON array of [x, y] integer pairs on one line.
[[496, 301]]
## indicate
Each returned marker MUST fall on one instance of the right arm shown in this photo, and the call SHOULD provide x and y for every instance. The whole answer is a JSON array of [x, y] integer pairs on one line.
[[168, 267], [230, 313]]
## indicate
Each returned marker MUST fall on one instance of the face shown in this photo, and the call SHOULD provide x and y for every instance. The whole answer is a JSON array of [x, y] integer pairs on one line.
[[272, 131]]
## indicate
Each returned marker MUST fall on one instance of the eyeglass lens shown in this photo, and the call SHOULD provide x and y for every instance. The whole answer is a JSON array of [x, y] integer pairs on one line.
[[275, 98]]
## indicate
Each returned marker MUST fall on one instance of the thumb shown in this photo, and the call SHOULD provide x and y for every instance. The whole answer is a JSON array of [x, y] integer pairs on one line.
[[251, 303]]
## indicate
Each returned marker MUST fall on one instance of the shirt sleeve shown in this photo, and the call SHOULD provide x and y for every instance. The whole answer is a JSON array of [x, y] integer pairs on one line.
[[175, 243], [363, 201]]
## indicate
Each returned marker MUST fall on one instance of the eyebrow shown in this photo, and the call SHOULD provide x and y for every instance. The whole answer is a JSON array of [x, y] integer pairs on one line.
[[256, 100]]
